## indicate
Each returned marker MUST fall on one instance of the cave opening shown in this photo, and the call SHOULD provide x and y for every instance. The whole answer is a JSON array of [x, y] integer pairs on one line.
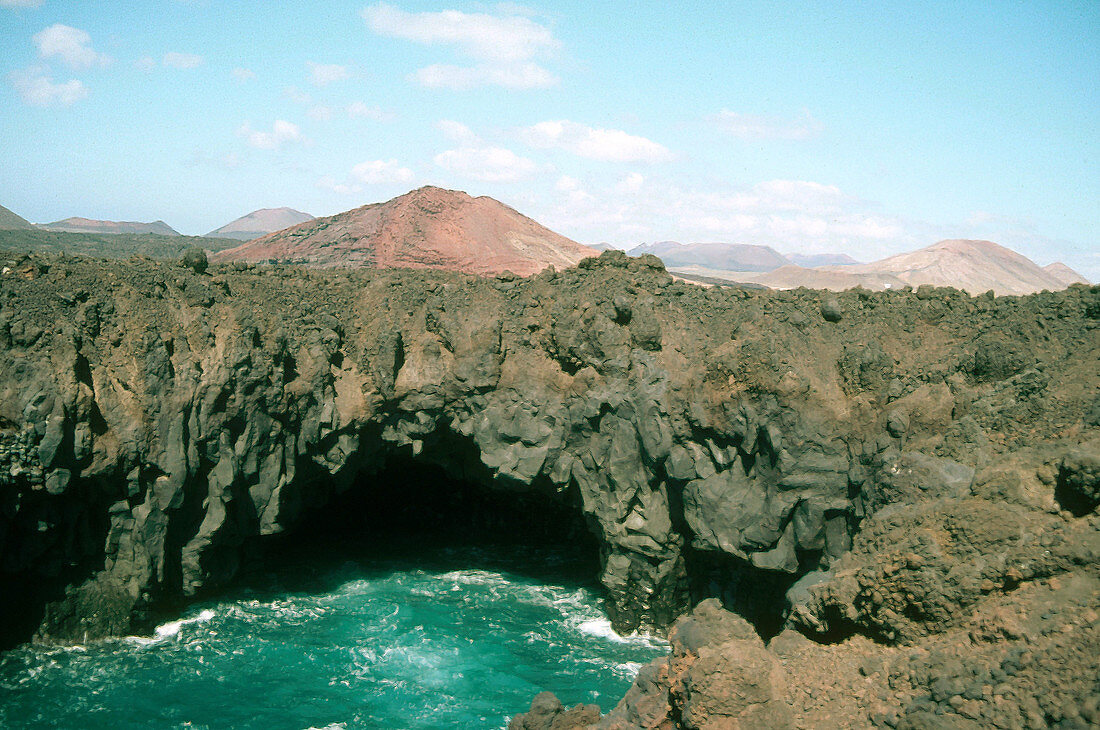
[[438, 510]]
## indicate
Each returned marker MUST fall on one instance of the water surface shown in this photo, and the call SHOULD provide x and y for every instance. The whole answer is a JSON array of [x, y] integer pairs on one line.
[[460, 637]]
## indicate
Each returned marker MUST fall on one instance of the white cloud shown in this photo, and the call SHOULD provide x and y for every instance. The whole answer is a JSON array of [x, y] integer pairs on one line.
[[243, 74], [20, 3], [182, 60], [359, 110], [632, 183], [488, 164], [322, 74], [503, 46], [37, 88], [321, 113], [328, 182], [609, 145], [297, 96], [145, 63], [749, 126], [498, 38], [282, 133], [518, 76], [566, 183], [71, 45], [376, 172], [457, 132]]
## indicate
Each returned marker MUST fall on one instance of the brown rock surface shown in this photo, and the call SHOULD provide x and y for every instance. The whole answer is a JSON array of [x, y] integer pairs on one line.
[[428, 228]]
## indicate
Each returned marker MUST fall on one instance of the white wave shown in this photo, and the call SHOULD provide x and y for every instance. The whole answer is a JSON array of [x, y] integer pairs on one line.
[[601, 628], [171, 629]]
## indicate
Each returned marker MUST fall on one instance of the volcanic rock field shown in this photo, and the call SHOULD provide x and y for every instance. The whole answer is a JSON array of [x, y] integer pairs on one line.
[[850, 509]]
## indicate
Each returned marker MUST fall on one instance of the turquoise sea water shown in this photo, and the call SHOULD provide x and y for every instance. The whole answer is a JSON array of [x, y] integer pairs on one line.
[[461, 638]]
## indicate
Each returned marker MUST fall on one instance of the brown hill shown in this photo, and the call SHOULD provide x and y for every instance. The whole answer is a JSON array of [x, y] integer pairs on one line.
[[1064, 274], [259, 223], [9, 221], [428, 228], [87, 225], [973, 266], [836, 279], [718, 256]]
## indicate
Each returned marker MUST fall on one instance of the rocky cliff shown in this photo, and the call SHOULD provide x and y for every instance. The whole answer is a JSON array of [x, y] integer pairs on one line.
[[866, 464]]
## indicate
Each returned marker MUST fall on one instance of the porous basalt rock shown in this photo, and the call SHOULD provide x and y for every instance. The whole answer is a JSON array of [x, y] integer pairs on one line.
[[153, 428]]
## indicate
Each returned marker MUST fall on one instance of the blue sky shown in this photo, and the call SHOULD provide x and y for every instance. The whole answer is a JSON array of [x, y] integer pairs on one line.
[[867, 128]]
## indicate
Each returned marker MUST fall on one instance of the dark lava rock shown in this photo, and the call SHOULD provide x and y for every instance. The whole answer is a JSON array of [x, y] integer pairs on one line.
[[1079, 481], [195, 259], [830, 310]]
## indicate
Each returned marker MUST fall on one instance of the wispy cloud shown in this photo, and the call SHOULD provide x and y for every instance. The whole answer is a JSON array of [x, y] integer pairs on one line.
[[371, 172], [359, 110], [498, 38], [182, 60], [609, 145], [792, 215], [243, 74], [36, 88], [460, 78], [20, 3], [750, 126], [487, 164], [282, 133], [70, 45], [322, 74], [376, 172], [457, 132], [504, 46]]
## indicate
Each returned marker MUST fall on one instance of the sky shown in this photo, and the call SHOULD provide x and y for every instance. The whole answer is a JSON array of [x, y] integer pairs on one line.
[[866, 128]]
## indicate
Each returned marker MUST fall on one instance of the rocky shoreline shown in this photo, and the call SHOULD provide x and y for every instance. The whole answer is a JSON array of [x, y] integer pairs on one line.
[[888, 497]]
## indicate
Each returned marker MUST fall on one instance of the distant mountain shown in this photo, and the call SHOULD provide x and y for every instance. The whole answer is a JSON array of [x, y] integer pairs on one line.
[[1065, 274], [260, 223], [87, 225], [715, 256], [428, 228], [836, 279], [810, 261], [10, 221], [973, 266], [605, 246]]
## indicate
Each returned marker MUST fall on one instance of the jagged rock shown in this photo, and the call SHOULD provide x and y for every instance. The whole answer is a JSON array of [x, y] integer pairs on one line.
[[719, 675], [830, 311], [548, 713], [147, 440], [195, 259], [1079, 480]]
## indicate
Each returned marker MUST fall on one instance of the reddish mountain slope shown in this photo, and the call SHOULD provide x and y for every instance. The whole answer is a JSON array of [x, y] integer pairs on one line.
[[427, 228]]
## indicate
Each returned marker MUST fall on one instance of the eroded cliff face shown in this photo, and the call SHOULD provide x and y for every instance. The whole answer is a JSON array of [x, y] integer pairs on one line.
[[157, 420]]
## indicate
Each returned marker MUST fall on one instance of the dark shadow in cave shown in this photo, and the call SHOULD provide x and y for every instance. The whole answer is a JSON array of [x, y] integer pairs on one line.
[[68, 532], [759, 596], [435, 514]]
